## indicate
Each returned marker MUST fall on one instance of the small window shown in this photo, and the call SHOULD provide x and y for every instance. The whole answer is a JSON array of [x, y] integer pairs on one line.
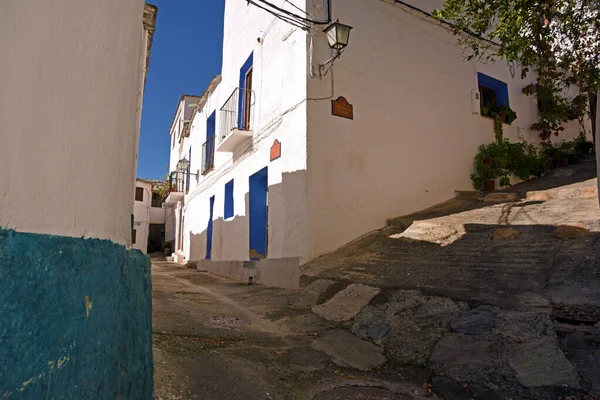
[[228, 199], [493, 92], [139, 194], [156, 200], [133, 236]]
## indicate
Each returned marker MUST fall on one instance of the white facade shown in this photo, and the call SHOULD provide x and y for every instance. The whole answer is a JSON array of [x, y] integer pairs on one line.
[[146, 212], [410, 145], [71, 90]]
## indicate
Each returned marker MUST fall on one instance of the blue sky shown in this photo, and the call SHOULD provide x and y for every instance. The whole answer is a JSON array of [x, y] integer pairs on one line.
[[186, 55]]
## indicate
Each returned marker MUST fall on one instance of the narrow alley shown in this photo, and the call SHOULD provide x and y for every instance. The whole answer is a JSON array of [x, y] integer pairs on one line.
[[217, 339]]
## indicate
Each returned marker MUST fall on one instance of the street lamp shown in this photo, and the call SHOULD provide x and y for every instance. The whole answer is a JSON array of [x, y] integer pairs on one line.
[[338, 36], [183, 164]]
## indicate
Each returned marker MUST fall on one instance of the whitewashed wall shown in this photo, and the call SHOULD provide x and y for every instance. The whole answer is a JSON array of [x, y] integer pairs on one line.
[[279, 83], [71, 74], [413, 138]]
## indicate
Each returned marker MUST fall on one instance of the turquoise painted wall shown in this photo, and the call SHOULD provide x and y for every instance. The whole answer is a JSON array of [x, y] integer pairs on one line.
[[75, 319]]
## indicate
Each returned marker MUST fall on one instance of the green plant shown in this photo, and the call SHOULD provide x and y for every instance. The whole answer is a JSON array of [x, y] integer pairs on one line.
[[502, 159], [500, 114], [582, 147], [167, 245]]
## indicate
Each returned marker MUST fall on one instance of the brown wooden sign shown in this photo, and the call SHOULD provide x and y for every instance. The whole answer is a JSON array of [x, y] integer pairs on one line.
[[342, 108], [276, 150]]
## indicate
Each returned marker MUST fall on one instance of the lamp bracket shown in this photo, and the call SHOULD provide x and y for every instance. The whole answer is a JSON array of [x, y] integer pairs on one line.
[[326, 66]]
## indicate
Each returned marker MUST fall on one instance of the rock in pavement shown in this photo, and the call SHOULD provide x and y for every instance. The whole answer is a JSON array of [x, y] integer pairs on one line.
[[541, 363], [346, 303], [505, 234], [309, 296], [474, 323], [346, 350], [568, 232], [457, 351], [417, 324]]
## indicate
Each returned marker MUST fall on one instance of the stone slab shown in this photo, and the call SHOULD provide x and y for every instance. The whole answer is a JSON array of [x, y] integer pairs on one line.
[[541, 363], [474, 322], [346, 303], [457, 351], [505, 234], [308, 297], [346, 350]]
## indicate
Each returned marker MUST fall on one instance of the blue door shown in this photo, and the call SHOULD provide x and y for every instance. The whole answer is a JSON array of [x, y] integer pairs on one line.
[[209, 230], [258, 210]]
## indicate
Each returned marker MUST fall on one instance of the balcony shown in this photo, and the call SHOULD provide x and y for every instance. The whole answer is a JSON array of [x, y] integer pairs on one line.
[[236, 121], [176, 188], [208, 155]]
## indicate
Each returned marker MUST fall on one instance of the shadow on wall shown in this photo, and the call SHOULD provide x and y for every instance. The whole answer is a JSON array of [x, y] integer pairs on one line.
[[287, 225]]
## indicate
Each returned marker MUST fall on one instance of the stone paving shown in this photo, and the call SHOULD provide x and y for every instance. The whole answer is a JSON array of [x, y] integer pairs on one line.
[[496, 301], [489, 301]]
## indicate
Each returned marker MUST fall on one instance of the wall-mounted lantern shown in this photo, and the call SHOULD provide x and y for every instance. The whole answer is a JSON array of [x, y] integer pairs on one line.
[[338, 36]]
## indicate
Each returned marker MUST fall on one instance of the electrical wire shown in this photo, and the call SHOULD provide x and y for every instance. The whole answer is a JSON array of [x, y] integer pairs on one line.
[[291, 14], [288, 16], [281, 17]]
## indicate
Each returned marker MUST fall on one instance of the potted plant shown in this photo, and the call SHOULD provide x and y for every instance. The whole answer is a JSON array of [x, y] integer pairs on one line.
[[167, 248]]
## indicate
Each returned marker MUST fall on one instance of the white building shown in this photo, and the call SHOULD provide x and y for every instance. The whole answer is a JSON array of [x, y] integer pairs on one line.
[[148, 216], [75, 307], [277, 179]]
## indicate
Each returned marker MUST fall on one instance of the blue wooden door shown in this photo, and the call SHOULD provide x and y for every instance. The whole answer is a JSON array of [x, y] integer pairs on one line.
[[209, 230], [258, 212]]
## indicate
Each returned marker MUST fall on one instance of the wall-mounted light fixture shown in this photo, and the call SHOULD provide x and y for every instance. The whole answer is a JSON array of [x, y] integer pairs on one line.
[[338, 36]]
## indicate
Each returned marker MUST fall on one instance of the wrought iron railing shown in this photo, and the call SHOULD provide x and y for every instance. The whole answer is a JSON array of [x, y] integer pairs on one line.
[[237, 112], [208, 155], [177, 182]]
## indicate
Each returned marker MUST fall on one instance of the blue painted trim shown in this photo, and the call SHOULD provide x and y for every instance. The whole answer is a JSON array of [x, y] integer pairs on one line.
[[211, 125], [209, 230], [228, 212], [75, 319], [501, 88], [258, 214], [243, 71]]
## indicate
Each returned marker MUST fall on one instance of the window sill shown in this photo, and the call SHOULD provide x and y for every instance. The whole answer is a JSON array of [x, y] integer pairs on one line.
[[492, 119], [204, 173]]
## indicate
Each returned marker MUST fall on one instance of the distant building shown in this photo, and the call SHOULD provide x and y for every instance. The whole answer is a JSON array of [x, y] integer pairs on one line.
[[148, 216], [289, 156], [75, 304]]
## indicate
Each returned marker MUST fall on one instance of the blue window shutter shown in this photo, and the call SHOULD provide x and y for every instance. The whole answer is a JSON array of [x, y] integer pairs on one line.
[[228, 212], [501, 88]]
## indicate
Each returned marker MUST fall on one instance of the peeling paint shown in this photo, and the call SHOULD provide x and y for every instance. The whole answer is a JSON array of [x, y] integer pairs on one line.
[[88, 306]]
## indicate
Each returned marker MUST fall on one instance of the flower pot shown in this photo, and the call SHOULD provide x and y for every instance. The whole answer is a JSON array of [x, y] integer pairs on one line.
[[167, 251], [489, 185]]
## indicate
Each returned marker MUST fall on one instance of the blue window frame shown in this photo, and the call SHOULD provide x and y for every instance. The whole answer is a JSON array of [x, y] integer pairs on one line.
[[492, 91], [244, 95], [228, 212]]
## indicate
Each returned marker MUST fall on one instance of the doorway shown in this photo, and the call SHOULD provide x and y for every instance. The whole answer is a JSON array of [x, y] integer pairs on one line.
[[258, 214], [209, 230]]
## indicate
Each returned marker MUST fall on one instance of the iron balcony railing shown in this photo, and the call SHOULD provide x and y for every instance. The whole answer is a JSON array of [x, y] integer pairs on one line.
[[177, 183], [237, 112], [208, 155]]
